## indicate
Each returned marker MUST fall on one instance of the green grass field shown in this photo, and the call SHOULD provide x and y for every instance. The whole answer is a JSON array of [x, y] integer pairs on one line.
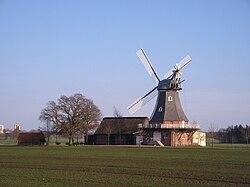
[[123, 166]]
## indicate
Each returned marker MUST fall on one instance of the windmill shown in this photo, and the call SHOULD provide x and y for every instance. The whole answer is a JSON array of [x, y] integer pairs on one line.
[[168, 109]]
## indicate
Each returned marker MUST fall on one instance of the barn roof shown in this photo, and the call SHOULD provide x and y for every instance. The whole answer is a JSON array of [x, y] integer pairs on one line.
[[22, 134], [120, 125], [30, 137]]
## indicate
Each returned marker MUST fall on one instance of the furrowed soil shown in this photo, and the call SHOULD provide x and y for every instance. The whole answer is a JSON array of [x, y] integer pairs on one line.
[[123, 166]]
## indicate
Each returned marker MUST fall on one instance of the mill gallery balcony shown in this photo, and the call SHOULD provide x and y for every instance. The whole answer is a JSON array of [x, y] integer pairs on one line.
[[168, 126]]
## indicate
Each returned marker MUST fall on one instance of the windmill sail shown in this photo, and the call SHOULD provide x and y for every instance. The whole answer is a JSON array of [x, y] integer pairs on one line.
[[178, 67], [146, 62], [184, 62], [135, 106]]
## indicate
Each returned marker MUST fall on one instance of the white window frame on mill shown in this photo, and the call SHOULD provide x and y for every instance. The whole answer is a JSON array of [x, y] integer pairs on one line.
[[170, 98], [160, 109]]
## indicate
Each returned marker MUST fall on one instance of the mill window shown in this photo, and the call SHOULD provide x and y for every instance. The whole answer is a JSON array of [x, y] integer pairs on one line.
[[170, 98]]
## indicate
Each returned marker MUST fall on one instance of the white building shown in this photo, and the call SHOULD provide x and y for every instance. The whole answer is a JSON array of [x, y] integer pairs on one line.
[[1, 128], [199, 138], [17, 127]]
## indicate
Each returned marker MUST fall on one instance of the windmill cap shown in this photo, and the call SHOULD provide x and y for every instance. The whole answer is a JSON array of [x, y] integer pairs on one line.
[[164, 84]]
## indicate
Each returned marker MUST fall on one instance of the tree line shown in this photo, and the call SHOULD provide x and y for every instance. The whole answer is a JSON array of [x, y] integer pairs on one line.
[[70, 116], [234, 134]]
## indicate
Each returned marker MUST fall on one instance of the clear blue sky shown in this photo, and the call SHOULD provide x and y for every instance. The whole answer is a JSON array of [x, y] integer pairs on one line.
[[54, 48]]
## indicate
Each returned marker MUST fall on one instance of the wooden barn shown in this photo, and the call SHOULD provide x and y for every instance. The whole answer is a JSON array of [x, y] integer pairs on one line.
[[118, 131], [31, 138]]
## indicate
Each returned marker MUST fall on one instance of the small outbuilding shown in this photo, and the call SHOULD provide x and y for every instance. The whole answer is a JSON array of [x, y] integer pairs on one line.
[[199, 138], [31, 138]]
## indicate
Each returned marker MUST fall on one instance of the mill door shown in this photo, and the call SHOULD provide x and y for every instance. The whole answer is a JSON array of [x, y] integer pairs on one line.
[[157, 136]]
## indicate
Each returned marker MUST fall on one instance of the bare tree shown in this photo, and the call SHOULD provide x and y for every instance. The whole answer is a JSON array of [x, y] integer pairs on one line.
[[246, 133], [71, 115], [118, 115], [108, 129], [48, 129], [89, 119], [50, 117], [212, 131]]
